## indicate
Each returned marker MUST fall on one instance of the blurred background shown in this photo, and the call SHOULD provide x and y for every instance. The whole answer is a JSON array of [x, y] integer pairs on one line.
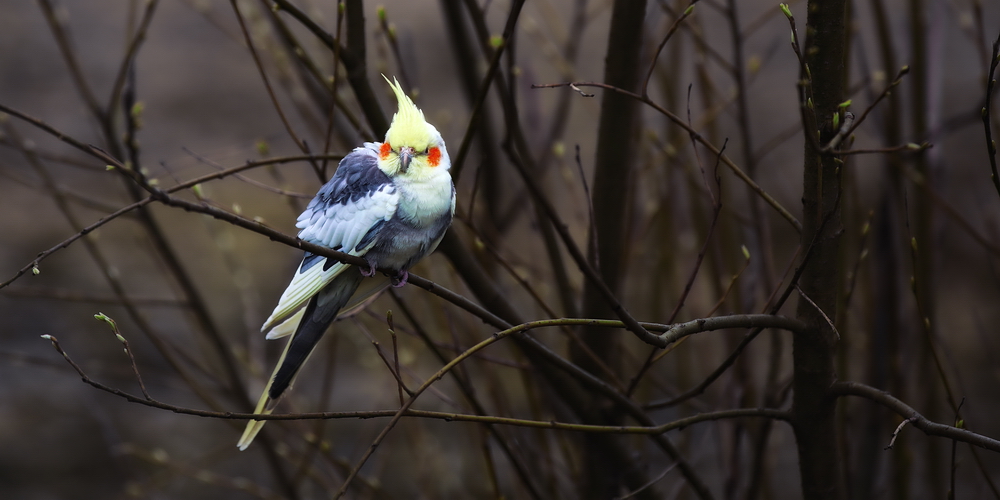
[[190, 292]]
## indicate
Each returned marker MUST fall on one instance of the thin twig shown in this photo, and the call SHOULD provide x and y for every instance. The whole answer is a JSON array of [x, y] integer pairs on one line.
[[960, 423], [654, 356], [885, 93], [899, 428], [56, 24], [592, 219], [651, 482], [845, 129], [523, 471], [484, 87], [267, 82], [704, 142], [457, 417], [135, 369], [750, 336], [390, 35], [829, 322], [991, 144], [133, 48], [652, 63], [904, 148], [334, 81], [395, 358]]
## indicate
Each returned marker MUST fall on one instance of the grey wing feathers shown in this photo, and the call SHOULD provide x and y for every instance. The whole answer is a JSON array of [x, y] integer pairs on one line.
[[347, 214], [348, 206]]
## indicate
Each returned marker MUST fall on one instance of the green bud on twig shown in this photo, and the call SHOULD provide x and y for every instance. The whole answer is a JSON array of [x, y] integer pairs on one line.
[[105, 318], [689, 10], [785, 10], [35, 270], [381, 13], [746, 252], [844, 104]]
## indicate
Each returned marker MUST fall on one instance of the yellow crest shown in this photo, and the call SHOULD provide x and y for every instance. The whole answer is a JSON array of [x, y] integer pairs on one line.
[[408, 126]]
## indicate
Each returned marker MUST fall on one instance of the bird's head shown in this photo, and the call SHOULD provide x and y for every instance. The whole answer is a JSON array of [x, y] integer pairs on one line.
[[412, 147]]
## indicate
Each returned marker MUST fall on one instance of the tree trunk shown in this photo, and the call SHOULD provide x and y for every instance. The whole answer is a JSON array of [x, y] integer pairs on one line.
[[814, 352], [617, 131]]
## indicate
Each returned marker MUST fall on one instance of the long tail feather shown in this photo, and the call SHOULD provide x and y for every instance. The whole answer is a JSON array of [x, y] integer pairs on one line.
[[319, 313], [264, 405]]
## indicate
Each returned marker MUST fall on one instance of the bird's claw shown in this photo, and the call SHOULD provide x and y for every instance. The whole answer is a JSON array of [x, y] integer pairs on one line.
[[399, 279], [369, 271]]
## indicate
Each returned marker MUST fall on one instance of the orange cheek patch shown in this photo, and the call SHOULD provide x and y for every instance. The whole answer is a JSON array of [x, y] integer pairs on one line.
[[434, 157], [384, 151]]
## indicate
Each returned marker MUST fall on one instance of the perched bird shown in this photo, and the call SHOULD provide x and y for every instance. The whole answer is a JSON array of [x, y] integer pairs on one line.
[[390, 203]]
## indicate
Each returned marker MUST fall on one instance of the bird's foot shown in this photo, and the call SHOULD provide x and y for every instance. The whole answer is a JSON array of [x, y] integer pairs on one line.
[[369, 271], [399, 279]]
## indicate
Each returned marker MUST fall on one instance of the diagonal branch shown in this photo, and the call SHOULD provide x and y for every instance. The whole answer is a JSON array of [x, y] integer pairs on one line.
[[919, 421]]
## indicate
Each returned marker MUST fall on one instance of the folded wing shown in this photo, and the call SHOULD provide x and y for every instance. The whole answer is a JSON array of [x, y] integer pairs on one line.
[[347, 214]]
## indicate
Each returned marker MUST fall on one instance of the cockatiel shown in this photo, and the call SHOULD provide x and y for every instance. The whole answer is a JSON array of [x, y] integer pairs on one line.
[[388, 202]]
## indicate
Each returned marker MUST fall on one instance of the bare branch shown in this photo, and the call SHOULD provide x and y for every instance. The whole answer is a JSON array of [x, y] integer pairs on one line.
[[919, 421]]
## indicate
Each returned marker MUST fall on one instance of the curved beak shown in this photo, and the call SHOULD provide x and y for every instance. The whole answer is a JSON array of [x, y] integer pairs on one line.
[[405, 157]]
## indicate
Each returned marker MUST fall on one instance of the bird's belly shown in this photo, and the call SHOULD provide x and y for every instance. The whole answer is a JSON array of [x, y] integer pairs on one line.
[[403, 252], [405, 246]]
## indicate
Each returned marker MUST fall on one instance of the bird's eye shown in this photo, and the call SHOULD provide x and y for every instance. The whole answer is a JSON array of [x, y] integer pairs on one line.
[[426, 150]]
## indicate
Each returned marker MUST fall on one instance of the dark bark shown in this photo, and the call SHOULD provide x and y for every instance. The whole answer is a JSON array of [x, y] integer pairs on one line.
[[601, 475], [814, 352]]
